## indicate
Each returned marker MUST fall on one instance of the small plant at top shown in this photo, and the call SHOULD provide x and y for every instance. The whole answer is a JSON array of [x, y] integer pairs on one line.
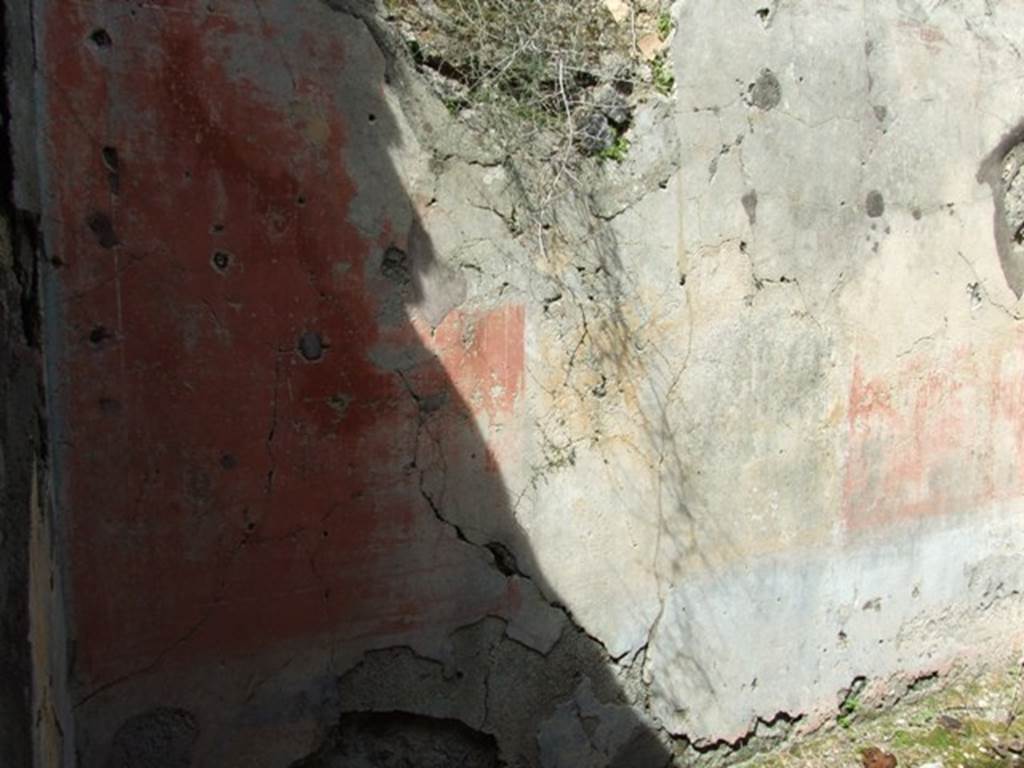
[[514, 67], [664, 25], [532, 75], [616, 151], [847, 711], [661, 74], [850, 703]]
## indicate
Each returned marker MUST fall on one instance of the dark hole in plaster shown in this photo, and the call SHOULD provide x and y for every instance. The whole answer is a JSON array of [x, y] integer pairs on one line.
[[765, 93], [874, 204], [916, 213], [221, 260], [339, 402], [763, 14], [101, 38], [102, 228], [301, 200], [311, 346], [216, 229], [110, 159], [504, 560], [228, 461], [99, 334], [395, 266], [372, 117], [1003, 171]]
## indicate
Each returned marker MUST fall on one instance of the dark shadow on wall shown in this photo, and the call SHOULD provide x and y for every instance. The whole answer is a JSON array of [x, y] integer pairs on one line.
[[264, 449], [1002, 171]]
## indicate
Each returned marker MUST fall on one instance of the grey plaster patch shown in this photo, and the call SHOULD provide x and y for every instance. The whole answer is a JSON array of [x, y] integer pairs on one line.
[[438, 288], [749, 201], [766, 91], [867, 609]]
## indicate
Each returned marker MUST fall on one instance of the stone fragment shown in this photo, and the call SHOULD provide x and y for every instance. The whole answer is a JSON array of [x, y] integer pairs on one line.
[[595, 134], [619, 9], [614, 106], [650, 45], [873, 757]]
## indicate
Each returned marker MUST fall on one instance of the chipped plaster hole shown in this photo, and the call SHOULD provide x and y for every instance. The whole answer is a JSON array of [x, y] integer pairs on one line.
[[504, 560], [764, 14], [100, 38], [874, 204], [99, 334], [765, 93], [395, 266], [221, 260], [102, 227], [311, 346], [339, 403], [976, 298], [110, 159]]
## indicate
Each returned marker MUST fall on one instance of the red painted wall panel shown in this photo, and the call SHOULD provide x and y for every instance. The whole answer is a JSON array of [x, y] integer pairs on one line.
[[226, 492]]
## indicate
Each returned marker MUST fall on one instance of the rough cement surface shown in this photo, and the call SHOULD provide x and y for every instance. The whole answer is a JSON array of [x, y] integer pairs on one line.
[[160, 738], [358, 458]]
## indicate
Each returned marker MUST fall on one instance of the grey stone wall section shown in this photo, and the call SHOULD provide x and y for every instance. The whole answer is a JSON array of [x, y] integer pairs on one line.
[[34, 709]]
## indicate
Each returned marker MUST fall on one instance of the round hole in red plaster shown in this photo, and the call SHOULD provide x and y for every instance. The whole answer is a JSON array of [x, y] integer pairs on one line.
[[100, 38]]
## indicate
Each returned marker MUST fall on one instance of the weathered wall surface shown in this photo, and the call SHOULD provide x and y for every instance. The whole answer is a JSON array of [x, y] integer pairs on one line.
[[34, 709], [352, 466]]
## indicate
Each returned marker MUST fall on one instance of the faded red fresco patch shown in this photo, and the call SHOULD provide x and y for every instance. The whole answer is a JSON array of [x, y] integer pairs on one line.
[[225, 493], [939, 435], [483, 355]]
